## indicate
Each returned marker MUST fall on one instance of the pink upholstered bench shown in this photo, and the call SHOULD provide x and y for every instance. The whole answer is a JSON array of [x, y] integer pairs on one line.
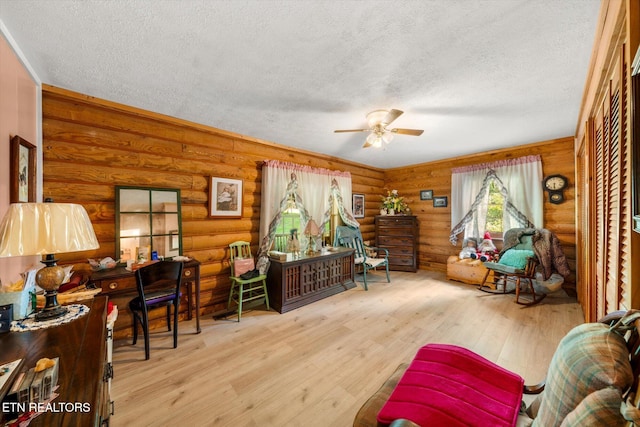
[[447, 385]]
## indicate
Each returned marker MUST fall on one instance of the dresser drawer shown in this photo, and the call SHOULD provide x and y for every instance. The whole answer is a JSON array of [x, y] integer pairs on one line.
[[117, 285], [389, 241], [395, 221], [402, 260], [400, 251]]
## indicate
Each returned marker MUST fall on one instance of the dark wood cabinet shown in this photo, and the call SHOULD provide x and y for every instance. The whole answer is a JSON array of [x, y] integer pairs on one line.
[[84, 371], [308, 278], [399, 235], [120, 285]]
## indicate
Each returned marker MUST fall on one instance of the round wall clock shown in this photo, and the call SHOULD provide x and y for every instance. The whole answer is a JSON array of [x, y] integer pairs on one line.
[[555, 185]]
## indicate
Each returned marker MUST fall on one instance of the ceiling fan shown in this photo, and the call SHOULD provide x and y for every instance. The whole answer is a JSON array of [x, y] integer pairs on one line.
[[378, 121]]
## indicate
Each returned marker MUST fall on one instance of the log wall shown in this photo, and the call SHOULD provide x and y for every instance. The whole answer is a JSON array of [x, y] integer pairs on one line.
[[435, 223], [92, 145]]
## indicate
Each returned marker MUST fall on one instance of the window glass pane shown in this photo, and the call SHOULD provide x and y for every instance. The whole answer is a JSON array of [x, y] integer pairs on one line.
[[494, 209], [166, 246], [134, 225], [164, 201], [134, 200], [164, 223]]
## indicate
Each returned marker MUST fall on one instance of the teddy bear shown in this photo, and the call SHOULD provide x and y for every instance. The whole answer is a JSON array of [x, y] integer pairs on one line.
[[486, 249]]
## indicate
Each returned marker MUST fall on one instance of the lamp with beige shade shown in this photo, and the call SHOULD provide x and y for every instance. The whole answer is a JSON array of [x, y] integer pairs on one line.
[[46, 229]]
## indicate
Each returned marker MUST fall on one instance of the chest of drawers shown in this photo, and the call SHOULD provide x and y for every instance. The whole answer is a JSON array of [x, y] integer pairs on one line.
[[399, 235]]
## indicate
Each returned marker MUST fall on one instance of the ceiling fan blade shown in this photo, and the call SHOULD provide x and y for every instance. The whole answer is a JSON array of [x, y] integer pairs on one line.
[[391, 116], [351, 130], [414, 132]]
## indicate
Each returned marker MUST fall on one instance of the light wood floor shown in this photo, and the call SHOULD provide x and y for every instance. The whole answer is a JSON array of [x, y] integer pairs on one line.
[[315, 366]]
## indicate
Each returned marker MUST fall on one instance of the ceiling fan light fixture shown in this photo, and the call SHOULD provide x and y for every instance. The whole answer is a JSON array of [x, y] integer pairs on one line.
[[374, 140], [371, 139], [379, 133], [375, 117], [387, 137]]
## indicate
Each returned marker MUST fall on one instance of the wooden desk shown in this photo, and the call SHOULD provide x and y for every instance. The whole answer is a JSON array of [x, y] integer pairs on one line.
[[301, 281], [83, 369], [120, 285]]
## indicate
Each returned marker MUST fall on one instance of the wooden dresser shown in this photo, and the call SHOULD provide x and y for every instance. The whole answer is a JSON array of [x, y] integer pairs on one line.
[[120, 285], [84, 371], [295, 282], [399, 235]]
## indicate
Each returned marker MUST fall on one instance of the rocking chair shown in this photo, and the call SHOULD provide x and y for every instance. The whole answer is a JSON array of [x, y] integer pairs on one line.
[[517, 265]]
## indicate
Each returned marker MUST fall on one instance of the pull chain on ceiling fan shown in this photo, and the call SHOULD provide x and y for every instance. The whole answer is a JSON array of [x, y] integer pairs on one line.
[[378, 121]]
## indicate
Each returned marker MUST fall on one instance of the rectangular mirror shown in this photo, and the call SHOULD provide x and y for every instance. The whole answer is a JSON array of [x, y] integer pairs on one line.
[[147, 220]]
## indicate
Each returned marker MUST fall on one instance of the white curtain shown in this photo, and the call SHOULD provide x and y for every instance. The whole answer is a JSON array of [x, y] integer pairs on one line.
[[315, 189], [519, 181]]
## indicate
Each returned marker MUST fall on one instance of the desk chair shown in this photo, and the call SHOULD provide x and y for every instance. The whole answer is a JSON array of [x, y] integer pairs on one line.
[[249, 289], [351, 238], [158, 285]]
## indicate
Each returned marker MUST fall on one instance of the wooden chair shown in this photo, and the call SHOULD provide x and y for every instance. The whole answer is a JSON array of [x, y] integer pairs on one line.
[[245, 290], [158, 286], [351, 238], [517, 265]]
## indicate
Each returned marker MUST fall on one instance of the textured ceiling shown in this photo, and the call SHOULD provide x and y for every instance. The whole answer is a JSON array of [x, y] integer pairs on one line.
[[476, 75]]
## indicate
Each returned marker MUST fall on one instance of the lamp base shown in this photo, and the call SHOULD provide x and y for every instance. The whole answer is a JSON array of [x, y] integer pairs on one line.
[[52, 309]]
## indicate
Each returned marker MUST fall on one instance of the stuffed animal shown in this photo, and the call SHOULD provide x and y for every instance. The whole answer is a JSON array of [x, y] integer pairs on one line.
[[486, 249], [469, 248]]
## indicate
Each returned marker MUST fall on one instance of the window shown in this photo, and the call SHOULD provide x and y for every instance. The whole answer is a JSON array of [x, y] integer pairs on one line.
[[147, 220], [290, 221], [495, 208], [479, 193]]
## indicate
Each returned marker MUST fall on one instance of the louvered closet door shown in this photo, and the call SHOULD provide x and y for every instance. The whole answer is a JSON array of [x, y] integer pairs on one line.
[[612, 198]]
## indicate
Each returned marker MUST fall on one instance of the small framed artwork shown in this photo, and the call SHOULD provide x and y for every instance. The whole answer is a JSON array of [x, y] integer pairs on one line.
[[358, 206], [143, 253], [225, 198], [440, 202], [426, 194], [174, 240], [23, 171]]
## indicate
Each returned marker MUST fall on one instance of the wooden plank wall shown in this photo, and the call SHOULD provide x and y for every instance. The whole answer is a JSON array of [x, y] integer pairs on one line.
[[435, 223], [91, 145]]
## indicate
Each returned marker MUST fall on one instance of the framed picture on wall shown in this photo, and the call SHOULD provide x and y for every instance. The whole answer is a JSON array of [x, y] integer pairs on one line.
[[440, 202], [225, 197], [22, 171], [358, 206], [426, 194]]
